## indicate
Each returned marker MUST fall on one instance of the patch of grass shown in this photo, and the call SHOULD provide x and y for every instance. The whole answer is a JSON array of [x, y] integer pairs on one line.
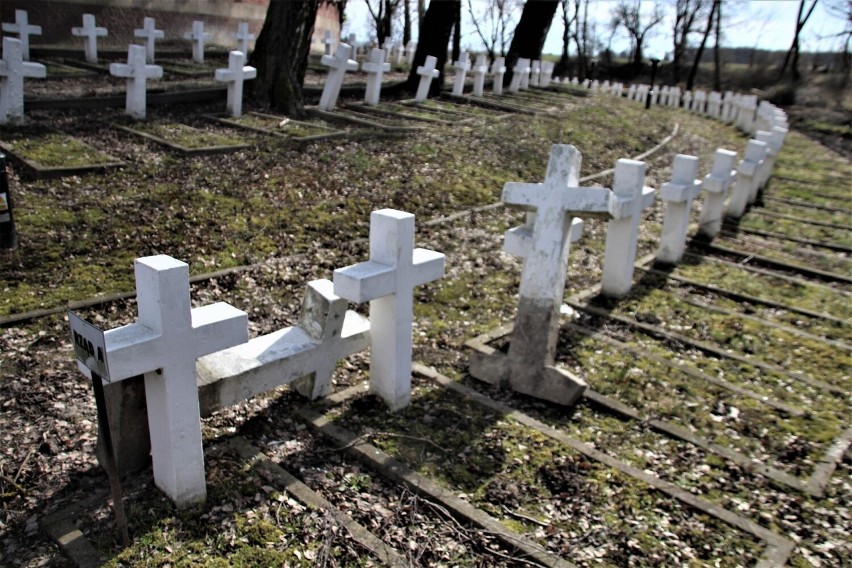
[[186, 136], [58, 150]]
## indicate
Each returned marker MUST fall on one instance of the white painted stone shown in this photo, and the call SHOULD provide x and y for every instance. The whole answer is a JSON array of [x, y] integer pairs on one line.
[[13, 70], [678, 194], [90, 34], [716, 185], [304, 355], [727, 106], [631, 92], [236, 73], [630, 198], [674, 97], [328, 41], [520, 73], [387, 281], [411, 50], [400, 53], [479, 71], [746, 171], [699, 105], [375, 68], [498, 70], [746, 113], [714, 104], [462, 66], [388, 49], [763, 173], [150, 34], [535, 73], [687, 101], [427, 72], [662, 96], [353, 41], [546, 74], [338, 65], [163, 344], [137, 73], [24, 30], [243, 37], [197, 36], [526, 70]]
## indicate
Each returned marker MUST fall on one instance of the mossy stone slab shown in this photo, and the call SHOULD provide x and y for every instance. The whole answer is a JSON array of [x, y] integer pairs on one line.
[[283, 127], [185, 139], [52, 155]]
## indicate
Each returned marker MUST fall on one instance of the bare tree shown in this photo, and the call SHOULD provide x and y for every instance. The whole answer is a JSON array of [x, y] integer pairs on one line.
[[581, 37], [382, 12], [530, 33], [493, 24], [717, 56], [628, 16], [439, 20], [686, 12], [714, 10], [567, 22], [406, 22], [794, 48], [843, 9]]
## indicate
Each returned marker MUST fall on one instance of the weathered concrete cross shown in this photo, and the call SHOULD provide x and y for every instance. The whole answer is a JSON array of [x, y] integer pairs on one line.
[[236, 73], [411, 49], [479, 71], [243, 37], [498, 70], [462, 66], [338, 65], [747, 170], [535, 73], [197, 36], [13, 70], [387, 281], [716, 185], [24, 30], [163, 344], [427, 72], [375, 68], [90, 32], [678, 193], [547, 74], [150, 34], [328, 40], [137, 73]]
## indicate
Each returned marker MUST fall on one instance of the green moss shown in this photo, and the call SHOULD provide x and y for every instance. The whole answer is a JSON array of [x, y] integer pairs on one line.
[[186, 136], [58, 150]]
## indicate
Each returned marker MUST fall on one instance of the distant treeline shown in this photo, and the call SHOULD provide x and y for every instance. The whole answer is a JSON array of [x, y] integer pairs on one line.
[[751, 56]]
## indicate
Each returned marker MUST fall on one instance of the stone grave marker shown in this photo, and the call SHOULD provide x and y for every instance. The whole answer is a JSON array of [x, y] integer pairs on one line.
[[678, 194], [163, 345], [375, 68], [480, 69], [411, 50], [630, 198], [699, 105], [544, 243], [243, 37], [338, 65], [631, 92], [387, 281], [714, 104], [546, 74], [24, 30], [663, 96], [462, 66], [674, 97], [716, 185], [535, 73], [13, 70], [328, 40], [90, 34], [745, 115], [150, 34], [526, 69], [498, 70], [235, 75], [687, 101], [353, 41], [727, 106], [388, 48], [765, 169], [197, 36], [519, 72], [400, 53], [748, 168], [137, 73], [427, 72]]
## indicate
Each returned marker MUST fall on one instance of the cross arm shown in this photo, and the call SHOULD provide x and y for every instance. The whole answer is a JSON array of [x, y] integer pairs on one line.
[[35, 70], [680, 191], [588, 200], [218, 326], [153, 72], [365, 281], [428, 265]]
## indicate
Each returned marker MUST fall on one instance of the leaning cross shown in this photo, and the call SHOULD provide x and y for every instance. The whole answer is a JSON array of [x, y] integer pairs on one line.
[[498, 69], [137, 73], [519, 71], [375, 68], [90, 32], [150, 34], [198, 37], [163, 344], [747, 169], [236, 73], [427, 72], [716, 185], [678, 193], [462, 66], [304, 355], [13, 70], [630, 198], [24, 30], [479, 71], [243, 37], [544, 243], [387, 281], [339, 64]]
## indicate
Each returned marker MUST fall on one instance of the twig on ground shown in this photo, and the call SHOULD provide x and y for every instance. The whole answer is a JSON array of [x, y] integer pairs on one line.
[[524, 517]]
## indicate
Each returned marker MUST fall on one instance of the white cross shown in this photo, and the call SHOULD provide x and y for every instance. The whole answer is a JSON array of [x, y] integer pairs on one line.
[[387, 281], [546, 74], [687, 100], [747, 170], [150, 34], [338, 65], [678, 193], [526, 69], [24, 30], [765, 168], [518, 71], [535, 78], [375, 68], [163, 344], [479, 71], [713, 104], [91, 33], [400, 53], [498, 69], [745, 116], [699, 105], [304, 355], [388, 48], [716, 185], [412, 49], [630, 198], [462, 66], [329, 42], [234, 75], [243, 37], [13, 70], [674, 97], [427, 72], [727, 106], [198, 37], [137, 73], [353, 41]]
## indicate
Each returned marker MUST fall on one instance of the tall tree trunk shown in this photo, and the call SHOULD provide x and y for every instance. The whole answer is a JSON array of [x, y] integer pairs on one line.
[[531, 33], [794, 48], [281, 55], [562, 67], [717, 54], [406, 22], [439, 20], [421, 14], [700, 52], [457, 35]]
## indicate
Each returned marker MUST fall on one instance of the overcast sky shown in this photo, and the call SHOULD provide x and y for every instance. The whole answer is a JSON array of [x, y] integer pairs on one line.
[[766, 24]]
